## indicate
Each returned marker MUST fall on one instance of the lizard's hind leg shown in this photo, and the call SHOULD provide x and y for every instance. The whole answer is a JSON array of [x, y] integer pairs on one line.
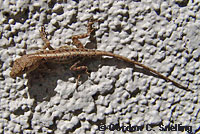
[[90, 29], [43, 35], [74, 67]]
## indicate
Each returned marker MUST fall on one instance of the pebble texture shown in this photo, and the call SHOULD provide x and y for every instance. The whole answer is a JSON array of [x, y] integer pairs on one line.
[[163, 35]]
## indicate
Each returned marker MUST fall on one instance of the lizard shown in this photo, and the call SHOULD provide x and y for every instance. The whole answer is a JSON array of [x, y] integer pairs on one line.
[[29, 62]]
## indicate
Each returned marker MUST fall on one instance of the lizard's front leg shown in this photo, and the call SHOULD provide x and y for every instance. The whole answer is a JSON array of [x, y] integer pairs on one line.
[[90, 29], [43, 35]]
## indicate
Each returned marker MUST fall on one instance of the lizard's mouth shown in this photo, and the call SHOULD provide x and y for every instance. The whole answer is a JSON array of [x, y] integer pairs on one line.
[[14, 74]]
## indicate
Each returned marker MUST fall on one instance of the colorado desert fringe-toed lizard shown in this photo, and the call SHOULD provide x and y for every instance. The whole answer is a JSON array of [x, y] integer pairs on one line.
[[68, 54]]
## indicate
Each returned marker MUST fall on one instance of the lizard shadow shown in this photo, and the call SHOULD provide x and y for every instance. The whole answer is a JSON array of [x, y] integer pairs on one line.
[[42, 83]]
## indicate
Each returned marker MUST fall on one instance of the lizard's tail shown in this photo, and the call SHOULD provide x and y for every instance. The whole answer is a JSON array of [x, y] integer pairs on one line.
[[146, 68]]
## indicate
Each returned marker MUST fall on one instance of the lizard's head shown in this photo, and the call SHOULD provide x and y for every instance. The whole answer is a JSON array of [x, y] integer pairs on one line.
[[24, 64]]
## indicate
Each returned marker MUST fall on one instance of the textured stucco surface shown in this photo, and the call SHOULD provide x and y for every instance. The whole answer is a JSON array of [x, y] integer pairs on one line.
[[162, 35]]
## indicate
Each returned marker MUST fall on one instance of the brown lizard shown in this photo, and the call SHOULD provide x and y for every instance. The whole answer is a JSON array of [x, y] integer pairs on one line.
[[30, 62]]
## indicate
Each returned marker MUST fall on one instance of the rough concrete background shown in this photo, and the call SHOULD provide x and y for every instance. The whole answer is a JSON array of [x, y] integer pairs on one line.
[[162, 35]]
